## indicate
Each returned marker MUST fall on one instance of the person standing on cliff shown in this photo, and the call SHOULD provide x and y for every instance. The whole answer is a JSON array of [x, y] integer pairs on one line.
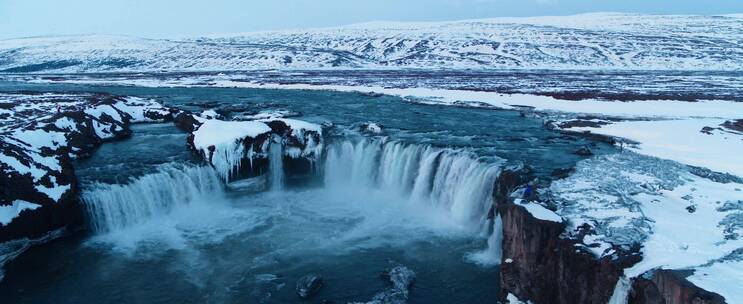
[[527, 192], [530, 193]]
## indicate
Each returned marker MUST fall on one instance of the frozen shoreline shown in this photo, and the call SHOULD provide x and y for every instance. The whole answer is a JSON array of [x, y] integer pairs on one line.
[[663, 117]]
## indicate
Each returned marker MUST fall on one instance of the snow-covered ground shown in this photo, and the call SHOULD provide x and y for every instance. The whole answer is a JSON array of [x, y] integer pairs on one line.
[[588, 41], [682, 220], [682, 140], [37, 133]]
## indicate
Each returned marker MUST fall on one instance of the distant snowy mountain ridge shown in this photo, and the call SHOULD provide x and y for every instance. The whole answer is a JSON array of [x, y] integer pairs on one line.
[[588, 41]]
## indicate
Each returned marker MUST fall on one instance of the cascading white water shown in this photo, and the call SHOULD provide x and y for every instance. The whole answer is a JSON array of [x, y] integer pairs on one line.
[[493, 253], [432, 177], [113, 207], [276, 165], [621, 291]]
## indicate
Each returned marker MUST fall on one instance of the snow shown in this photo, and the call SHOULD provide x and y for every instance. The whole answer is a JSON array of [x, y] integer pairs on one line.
[[40, 138], [23, 130], [225, 137], [209, 114], [55, 192], [722, 278], [136, 107], [539, 212], [269, 115], [512, 299], [218, 132], [373, 128], [682, 220], [65, 123], [22, 169], [313, 147], [99, 110], [298, 125], [680, 238], [634, 109], [682, 141], [588, 41], [8, 213]]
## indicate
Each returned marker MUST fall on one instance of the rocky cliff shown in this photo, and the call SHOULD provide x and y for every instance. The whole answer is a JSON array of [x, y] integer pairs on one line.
[[540, 266]]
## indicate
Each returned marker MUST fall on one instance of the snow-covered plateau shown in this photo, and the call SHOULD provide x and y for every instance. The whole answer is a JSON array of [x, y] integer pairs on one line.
[[588, 41]]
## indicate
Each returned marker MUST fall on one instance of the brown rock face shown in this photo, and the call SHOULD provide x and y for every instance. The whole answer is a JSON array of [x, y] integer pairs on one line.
[[670, 287], [545, 268]]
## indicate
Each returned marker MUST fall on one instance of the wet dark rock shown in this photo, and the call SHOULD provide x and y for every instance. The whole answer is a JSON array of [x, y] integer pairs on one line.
[[401, 279], [670, 286], [584, 151], [735, 125], [159, 116], [707, 130], [371, 94], [309, 285], [186, 122], [230, 109], [279, 127], [561, 173], [203, 104], [580, 123]]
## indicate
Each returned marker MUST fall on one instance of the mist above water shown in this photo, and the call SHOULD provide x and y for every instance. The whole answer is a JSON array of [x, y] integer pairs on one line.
[[376, 194]]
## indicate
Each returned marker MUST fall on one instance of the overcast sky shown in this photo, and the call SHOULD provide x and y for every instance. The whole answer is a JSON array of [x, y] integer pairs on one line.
[[160, 18]]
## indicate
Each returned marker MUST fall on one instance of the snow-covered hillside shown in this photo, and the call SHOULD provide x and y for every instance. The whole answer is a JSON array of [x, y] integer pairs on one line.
[[589, 41]]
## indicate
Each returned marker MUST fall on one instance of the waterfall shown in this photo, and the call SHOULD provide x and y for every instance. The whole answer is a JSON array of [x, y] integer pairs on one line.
[[276, 165], [433, 177], [621, 291], [491, 255], [113, 207]]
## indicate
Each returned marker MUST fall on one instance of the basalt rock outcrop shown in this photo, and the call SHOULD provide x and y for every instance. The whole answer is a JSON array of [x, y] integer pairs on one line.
[[240, 149], [401, 278], [557, 261], [670, 287], [540, 266], [309, 285], [40, 136]]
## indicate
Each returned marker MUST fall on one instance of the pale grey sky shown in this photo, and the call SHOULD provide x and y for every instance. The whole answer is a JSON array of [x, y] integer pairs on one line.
[[160, 18]]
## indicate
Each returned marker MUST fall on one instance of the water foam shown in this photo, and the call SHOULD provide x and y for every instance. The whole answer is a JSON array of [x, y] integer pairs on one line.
[[113, 207], [377, 193], [452, 180], [276, 165]]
